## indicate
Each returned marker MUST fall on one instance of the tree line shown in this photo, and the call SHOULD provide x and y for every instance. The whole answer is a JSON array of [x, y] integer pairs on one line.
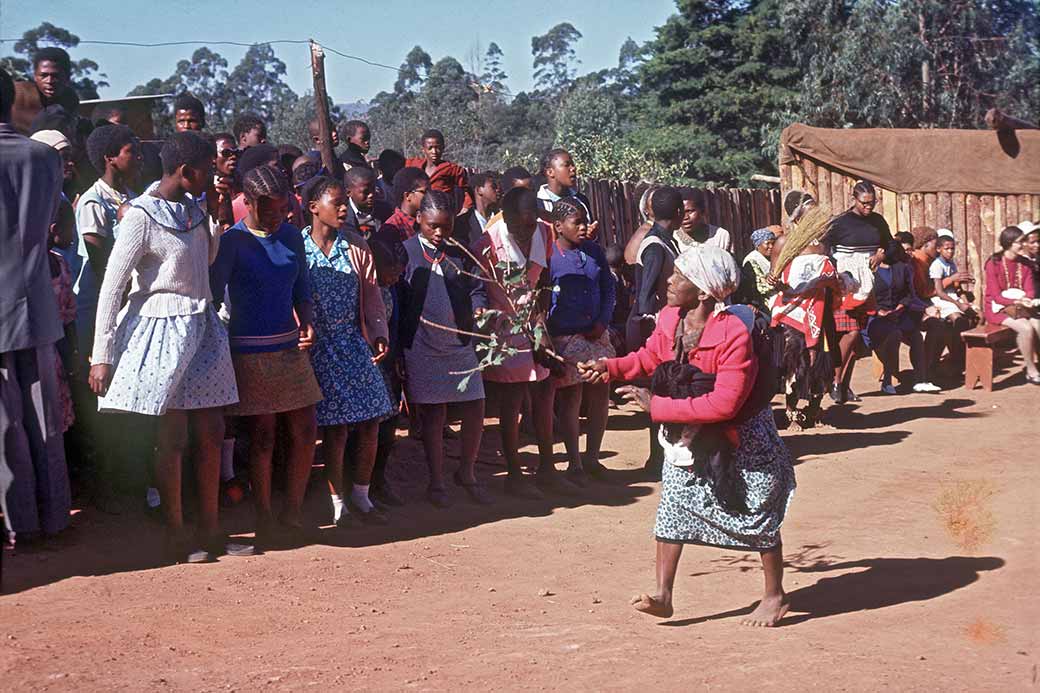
[[701, 103]]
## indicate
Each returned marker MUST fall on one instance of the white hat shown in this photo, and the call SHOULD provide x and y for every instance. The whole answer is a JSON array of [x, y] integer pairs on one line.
[[52, 138], [945, 232], [1027, 227]]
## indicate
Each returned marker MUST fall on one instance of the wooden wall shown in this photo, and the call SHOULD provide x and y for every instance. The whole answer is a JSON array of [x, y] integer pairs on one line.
[[976, 220], [616, 205]]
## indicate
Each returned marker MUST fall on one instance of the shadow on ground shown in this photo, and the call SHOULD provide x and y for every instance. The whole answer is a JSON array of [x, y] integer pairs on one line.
[[101, 544], [869, 584]]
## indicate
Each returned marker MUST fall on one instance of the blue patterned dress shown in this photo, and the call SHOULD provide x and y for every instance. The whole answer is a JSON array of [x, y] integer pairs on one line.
[[351, 384]]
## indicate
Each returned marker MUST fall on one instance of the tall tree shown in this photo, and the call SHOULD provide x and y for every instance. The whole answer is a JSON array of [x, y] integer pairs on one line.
[[918, 63], [257, 84], [493, 76], [555, 60], [711, 77], [85, 78]]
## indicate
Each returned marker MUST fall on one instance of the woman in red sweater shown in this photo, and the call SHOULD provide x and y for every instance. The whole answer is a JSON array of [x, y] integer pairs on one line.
[[1011, 295], [716, 339]]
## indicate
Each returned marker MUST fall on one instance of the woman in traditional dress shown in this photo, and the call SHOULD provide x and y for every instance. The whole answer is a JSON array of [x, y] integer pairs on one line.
[[718, 340]]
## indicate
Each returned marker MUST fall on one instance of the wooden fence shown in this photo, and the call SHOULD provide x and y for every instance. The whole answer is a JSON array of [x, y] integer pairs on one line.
[[615, 204], [976, 220]]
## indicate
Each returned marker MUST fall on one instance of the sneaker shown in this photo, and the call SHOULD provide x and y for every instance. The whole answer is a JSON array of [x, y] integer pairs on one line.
[[837, 394], [926, 387], [347, 521], [851, 396], [888, 389], [199, 555]]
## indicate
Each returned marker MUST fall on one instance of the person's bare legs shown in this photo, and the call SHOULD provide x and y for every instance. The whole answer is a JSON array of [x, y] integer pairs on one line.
[[569, 410], [367, 433], [510, 399], [333, 448], [847, 345], [303, 431], [261, 449], [888, 352], [208, 425], [774, 604], [667, 564], [1025, 338], [598, 398], [431, 418], [171, 441], [472, 430], [541, 396]]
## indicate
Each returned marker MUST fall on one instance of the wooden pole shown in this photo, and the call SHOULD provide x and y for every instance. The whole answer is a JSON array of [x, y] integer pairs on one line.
[[321, 106]]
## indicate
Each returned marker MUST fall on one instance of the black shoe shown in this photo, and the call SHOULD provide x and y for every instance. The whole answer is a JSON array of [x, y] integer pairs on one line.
[[386, 496], [851, 396], [837, 394]]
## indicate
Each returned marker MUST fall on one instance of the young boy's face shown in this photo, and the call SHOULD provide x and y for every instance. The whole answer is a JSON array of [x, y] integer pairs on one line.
[[128, 159], [489, 191], [412, 199], [363, 193], [563, 170], [258, 135], [362, 139], [433, 150], [946, 248], [186, 119]]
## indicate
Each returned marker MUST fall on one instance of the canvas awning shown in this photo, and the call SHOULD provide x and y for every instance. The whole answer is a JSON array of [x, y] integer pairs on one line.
[[909, 161]]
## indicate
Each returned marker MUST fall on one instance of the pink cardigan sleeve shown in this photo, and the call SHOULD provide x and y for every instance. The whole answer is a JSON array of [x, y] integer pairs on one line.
[[373, 312], [644, 362], [736, 369]]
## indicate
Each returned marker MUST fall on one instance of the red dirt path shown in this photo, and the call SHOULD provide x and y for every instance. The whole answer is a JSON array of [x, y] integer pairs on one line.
[[883, 596]]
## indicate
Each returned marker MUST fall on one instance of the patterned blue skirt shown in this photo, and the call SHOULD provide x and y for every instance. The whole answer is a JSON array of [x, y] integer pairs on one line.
[[178, 362], [352, 386], [690, 514]]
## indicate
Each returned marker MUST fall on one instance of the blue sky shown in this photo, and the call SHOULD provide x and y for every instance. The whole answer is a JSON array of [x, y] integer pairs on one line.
[[382, 32]]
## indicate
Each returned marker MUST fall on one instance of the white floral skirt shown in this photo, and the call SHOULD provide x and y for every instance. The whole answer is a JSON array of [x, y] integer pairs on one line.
[[179, 362]]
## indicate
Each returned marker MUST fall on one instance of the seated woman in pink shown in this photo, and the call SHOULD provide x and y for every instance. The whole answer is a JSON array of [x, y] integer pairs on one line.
[[700, 329], [1010, 297]]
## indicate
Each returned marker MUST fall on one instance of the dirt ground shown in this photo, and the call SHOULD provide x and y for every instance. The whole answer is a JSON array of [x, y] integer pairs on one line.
[[911, 545]]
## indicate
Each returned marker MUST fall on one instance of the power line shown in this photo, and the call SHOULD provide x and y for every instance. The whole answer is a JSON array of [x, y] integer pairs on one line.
[[366, 61]]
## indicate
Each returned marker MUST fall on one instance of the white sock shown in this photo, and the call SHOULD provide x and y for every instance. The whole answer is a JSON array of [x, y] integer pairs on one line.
[[227, 459], [337, 507], [359, 494]]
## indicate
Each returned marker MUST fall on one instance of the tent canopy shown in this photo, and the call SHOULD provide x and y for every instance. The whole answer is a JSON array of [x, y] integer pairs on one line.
[[908, 161]]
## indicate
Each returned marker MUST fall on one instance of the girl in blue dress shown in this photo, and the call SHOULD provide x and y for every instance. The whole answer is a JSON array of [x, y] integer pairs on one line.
[[350, 321]]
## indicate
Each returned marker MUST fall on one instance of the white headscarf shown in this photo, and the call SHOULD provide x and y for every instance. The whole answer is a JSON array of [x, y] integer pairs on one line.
[[712, 269]]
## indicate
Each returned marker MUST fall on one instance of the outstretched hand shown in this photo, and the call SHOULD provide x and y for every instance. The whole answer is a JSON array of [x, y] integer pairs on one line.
[[638, 396]]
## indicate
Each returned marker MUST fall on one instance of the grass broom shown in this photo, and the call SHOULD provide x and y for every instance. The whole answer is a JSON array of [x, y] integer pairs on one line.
[[810, 228]]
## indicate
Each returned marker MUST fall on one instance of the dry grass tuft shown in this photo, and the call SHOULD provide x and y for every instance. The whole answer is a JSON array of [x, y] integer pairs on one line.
[[964, 510], [984, 632]]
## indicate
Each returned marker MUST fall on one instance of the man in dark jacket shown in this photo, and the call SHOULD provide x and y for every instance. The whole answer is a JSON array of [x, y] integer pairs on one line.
[[34, 484]]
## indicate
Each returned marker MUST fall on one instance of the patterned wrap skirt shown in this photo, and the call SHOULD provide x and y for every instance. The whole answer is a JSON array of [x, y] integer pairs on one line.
[[272, 382], [689, 513], [574, 348], [178, 362]]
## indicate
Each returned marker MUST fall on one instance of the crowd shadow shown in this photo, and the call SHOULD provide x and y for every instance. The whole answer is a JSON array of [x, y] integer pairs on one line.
[[101, 544], [871, 584], [850, 418], [807, 445]]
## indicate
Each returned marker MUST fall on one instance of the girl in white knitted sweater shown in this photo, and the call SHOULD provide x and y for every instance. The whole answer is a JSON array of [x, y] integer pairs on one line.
[[167, 355]]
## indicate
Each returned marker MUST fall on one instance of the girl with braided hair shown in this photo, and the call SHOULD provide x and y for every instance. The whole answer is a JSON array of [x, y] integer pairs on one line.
[[352, 338], [263, 265], [582, 304]]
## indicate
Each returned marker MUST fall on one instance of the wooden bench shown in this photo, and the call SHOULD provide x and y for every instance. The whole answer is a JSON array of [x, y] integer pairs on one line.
[[979, 343]]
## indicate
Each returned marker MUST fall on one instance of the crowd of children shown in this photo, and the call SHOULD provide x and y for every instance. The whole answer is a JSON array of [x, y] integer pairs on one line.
[[230, 289]]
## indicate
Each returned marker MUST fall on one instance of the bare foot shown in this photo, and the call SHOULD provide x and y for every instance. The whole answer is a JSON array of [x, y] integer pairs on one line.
[[769, 612], [655, 606]]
